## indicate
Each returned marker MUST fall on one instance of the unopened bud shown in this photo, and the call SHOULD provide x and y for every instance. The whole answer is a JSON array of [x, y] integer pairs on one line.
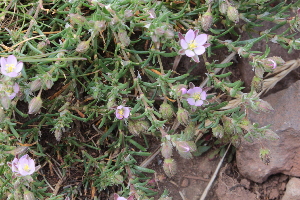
[[233, 14], [166, 149], [128, 14], [2, 114], [169, 34], [35, 105], [123, 37], [35, 85], [270, 135], [185, 148], [5, 101], [189, 131], [257, 84], [223, 7], [166, 111], [136, 127], [159, 31], [28, 195], [170, 167], [154, 38], [18, 150], [206, 20], [83, 46], [41, 45], [218, 131], [183, 116], [58, 134], [100, 25], [264, 106], [77, 19]]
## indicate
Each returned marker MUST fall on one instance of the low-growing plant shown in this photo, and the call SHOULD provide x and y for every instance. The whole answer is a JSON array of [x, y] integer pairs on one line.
[[86, 83]]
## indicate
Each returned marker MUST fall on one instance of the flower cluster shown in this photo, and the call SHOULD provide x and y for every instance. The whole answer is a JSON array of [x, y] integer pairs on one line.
[[193, 44], [23, 166]]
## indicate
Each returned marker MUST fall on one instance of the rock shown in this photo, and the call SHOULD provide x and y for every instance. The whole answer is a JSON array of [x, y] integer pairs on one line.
[[184, 182], [245, 183], [274, 194], [292, 190], [285, 152]]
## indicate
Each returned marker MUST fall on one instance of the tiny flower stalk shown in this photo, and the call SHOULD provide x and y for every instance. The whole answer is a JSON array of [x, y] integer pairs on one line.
[[35, 104]]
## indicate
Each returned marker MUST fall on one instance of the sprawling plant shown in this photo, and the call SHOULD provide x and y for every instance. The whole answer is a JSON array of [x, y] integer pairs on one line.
[[86, 83]]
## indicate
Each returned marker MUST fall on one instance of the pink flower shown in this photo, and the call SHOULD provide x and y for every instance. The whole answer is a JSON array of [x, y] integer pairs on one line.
[[197, 96], [10, 66], [117, 197], [122, 112], [152, 14], [193, 44], [274, 64], [9, 90], [23, 166]]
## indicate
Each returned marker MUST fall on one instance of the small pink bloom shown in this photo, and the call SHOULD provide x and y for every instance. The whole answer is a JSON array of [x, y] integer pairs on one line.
[[197, 96], [122, 112], [274, 64], [10, 66], [183, 91], [152, 14], [193, 44], [9, 90], [23, 166], [117, 197]]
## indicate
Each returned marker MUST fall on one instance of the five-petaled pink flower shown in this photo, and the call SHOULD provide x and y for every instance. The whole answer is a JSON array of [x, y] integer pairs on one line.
[[197, 96], [193, 44], [23, 166], [10, 66], [122, 112], [9, 90]]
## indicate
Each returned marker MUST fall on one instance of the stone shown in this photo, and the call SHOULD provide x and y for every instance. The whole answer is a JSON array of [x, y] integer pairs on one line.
[[285, 152], [184, 182], [274, 194], [292, 190]]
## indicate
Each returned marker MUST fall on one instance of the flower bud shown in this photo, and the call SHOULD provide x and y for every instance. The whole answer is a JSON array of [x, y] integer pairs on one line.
[[77, 19], [2, 114], [170, 167], [185, 148], [154, 38], [138, 127], [5, 101], [218, 131], [41, 45], [28, 195], [159, 31], [83, 46], [166, 149], [166, 111], [270, 135], [58, 134], [128, 14], [18, 150], [257, 84], [189, 131], [123, 37], [206, 20], [223, 7], [169, 34], [264, 106], [233, 14], [35, 105], [35, 85], [183, 116], [100, 25]]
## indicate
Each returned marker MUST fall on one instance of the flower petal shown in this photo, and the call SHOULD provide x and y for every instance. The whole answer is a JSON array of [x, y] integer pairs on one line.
[[199, 50], [184, 44], [191, 101], [181, 51], [3, 62], [196, 59], [12, 60], [126, 111], [203, 95], [201, 39], [190, 36], [19, 67], [189, 53], [199, 103], [197, 90]]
